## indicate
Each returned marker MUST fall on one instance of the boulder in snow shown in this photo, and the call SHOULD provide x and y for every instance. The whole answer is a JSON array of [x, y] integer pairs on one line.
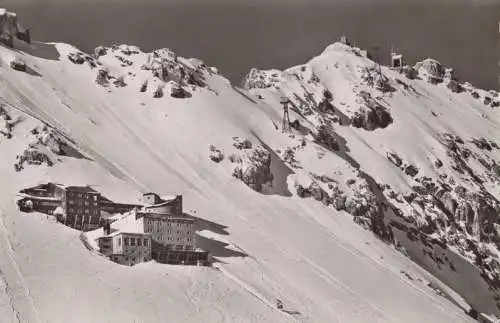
[[179, 92], [18, 65], [216, 155]]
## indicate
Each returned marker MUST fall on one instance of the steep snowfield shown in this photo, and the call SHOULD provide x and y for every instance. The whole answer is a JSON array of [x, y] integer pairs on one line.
[[271, 244]]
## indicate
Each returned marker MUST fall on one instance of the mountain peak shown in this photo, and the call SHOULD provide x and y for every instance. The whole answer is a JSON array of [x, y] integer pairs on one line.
[[11, 30]]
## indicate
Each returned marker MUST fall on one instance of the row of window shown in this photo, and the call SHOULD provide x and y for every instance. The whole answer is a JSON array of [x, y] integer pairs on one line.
[[169, 231], [160, 222], [131, 241], [132, 259], [81, 202], [81, 211], [84, 219], [81, 195], [178, 239]]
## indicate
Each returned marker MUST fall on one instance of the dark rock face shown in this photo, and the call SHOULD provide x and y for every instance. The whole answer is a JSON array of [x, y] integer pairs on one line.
[[254, 168], [158, 92], [454, 86], [411, 170], [144, 86], [7, 40], [76, 58], [241, 144], [193, 79], [216, 155], [375, 78], [10, 29], [18, 65], [449, 202], [100, 51], [180, 93], [371, 118], [120, 82], [31, 156], [326, 107], [395, 159], [325, 136], [257, 79], [372, 115], [102, 77], [409, 72], [483, 143], [24, 35]]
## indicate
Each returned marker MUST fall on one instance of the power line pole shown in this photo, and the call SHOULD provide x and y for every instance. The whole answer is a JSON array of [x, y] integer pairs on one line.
[[286, 116]]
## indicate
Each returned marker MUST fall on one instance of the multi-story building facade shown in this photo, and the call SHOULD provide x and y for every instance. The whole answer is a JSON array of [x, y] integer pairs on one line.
[[172, 235], [169, 231], [80, 205], [126, 248]]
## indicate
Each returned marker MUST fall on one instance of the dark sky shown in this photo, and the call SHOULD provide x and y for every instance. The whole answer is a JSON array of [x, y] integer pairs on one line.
[[235, 35]]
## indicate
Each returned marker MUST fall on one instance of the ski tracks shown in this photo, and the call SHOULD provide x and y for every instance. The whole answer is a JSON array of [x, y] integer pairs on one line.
[[10, 261]]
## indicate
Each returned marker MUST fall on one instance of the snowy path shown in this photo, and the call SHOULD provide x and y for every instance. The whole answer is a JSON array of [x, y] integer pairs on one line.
[[252, 291], [15, 286]]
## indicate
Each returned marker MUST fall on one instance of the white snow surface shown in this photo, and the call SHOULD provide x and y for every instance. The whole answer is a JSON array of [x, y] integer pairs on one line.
[[324, 267]]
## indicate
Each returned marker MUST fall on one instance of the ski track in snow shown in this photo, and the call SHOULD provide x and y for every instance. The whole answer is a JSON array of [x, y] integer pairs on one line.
[[6, 247], [10, 300], [253, 292]]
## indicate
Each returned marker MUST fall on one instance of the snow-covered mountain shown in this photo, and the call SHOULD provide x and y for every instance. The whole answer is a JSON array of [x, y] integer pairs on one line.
[[380, 204]]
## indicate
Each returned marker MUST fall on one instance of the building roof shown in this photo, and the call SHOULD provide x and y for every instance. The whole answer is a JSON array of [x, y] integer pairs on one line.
[[38, 198], [168, 198], [163, 203], [81, 189], [117, 233], [150, 193]]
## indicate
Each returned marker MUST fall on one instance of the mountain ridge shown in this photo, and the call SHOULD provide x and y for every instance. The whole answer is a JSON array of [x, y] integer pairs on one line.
[[159, 122]]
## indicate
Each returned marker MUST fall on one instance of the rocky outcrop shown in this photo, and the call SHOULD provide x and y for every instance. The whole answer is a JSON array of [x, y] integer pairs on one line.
[[371, 115], [485, 144], [179, 92], [18, 65], [158, 93], [10, 29], [359, 200], [326, 137], [216, 155], [411, 170], [120, 82], [31, 156], [258, 79], [409, 72], [100, 51], [253, 167], [241, 143], [102, 77], [371, 118], [51, 140], [373, 77], [451, 81], [431, 70]]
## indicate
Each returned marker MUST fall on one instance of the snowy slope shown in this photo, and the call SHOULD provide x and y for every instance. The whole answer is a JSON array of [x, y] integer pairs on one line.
[[271, 244]]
